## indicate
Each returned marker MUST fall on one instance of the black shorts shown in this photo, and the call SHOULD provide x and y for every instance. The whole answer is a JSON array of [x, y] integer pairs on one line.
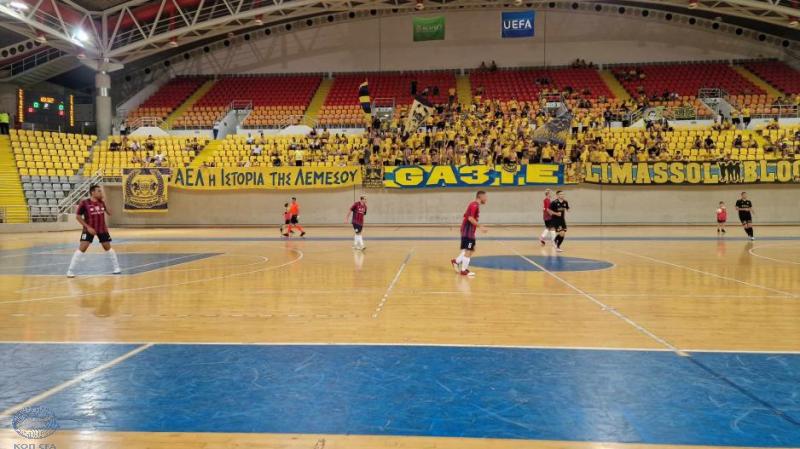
[[294, 220], [745, 217], [358, 228], [560, 225], [548, 224], [721, 221], [102, 236], [467, 243], [287, 221]]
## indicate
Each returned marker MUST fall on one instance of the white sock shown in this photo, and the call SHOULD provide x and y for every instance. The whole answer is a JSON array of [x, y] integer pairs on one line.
[[113, 256], [361, 239], [355, 240], [464, 263], [460, 257], [553, 236], [544, 233], [76, 258]]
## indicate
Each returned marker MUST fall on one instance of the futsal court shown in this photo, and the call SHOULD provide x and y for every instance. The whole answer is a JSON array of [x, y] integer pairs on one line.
[[665, 336]]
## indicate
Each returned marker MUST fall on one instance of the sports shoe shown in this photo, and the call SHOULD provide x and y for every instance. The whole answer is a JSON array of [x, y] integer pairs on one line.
[[752, 238], [117, 271], [70, 274], [467, 273], [302, 234], [541, 240], [285, 235], [559, 250], [455, 266]]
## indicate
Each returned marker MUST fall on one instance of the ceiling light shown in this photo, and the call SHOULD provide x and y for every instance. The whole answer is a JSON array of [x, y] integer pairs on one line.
[[40, 38], [258, 20], [173, 42], [793, 21], [80, 35], [693, 4], [18, 5]]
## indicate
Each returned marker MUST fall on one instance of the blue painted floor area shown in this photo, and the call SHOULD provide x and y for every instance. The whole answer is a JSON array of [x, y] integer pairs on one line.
[[94, 262], [651, 397], [549, 263], [28, 370]]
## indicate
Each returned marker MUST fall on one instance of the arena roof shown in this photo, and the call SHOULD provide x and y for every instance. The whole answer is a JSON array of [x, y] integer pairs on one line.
[[105, 32]]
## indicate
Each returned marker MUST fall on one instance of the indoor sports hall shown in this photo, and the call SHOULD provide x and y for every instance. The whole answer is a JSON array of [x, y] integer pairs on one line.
[[399, 224]]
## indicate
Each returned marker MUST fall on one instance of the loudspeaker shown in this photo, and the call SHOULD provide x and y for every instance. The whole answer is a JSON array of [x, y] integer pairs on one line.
[[414, 87]]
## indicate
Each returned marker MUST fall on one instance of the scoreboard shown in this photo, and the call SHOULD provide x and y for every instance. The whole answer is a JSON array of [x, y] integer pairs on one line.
[[45, 109]]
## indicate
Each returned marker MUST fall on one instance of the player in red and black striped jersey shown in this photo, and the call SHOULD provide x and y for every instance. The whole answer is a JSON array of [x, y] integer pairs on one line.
[[468, 227], [92, 215], [357, 211]]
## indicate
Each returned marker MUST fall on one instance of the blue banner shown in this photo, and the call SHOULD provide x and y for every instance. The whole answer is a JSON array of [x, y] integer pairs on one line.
[[511, 175], [518, 24]]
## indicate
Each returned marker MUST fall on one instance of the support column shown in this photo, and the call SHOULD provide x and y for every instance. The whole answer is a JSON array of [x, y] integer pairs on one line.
[[102, 104]]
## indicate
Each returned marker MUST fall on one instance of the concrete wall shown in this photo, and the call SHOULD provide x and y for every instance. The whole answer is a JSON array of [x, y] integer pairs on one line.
[[8, 100], [471, 37], [590, 205]]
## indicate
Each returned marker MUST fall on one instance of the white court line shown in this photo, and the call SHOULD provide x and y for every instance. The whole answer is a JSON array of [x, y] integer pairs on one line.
[[103, 292], [752, 252], [92, 276], [410, 344], [391, 286], [181, 270], [596, 295], [708, 273], [84, 375], [602, 305], [328, 343]]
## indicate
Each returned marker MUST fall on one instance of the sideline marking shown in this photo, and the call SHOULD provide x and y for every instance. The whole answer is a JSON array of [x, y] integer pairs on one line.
[[391, 286], [84, 375], [603, 305], [752, 252], [708, 273]]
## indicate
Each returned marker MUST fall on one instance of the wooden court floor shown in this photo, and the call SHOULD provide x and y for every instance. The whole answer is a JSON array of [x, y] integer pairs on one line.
[[632, 337]]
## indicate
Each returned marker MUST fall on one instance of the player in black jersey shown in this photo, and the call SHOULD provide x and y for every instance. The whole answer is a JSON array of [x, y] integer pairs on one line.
[[745, 209], [558, 211]]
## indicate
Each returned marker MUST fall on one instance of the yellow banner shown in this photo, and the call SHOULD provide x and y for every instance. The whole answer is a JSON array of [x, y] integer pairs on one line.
[[145, 189], [511, 175], [268, 178], [723, 172]]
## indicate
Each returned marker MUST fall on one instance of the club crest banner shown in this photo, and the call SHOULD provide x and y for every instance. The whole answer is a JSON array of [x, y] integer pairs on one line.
[[420, 110], [267, 178], [145, 189], [724, 172], [373, 176], [418, 176]]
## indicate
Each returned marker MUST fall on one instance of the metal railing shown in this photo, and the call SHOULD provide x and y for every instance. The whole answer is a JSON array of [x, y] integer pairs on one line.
[[711, 92], [238, 105], [31, 61], [139, 122], [282, 123], [65, 206]]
